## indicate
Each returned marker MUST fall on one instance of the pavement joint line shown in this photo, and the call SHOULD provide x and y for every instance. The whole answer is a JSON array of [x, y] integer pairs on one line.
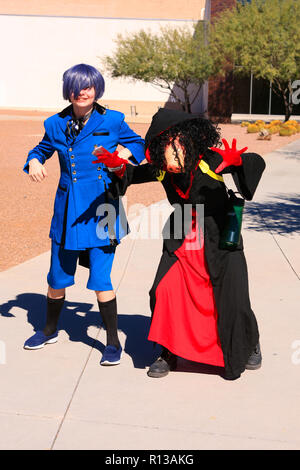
[[74, 391], [192, 431], [277, 243], [28, 415], [89, 355]]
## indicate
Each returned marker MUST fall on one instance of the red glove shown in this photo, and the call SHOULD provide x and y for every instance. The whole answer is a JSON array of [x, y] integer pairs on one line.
[[111, 160], [231, 156]]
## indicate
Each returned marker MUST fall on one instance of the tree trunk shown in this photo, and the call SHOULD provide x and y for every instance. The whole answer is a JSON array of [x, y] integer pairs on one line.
[[187, 101], [284, 91], [287, 104]]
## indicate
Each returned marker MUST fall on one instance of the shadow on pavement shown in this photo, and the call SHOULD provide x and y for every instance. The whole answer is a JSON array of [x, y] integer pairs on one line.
[[77, 317], [184, 365], [282, 216]]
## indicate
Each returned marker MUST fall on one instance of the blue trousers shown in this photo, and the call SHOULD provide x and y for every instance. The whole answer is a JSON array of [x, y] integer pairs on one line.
[[64, 262]]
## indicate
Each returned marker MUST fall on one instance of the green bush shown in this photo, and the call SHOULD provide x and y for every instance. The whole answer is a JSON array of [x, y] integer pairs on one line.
[[274, 129], [285, 131], [252, 128]]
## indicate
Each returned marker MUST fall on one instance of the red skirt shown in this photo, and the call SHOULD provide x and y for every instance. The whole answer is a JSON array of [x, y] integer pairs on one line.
[[185, 316]]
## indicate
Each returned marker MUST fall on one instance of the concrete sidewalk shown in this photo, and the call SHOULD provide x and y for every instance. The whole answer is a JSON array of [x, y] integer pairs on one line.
[[61, 398]]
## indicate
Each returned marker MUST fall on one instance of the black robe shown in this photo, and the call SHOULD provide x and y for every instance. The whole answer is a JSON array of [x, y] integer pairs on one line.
[[237, 325]]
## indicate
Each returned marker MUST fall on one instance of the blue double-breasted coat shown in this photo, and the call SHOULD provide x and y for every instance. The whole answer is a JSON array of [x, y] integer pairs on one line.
[[79, 218]]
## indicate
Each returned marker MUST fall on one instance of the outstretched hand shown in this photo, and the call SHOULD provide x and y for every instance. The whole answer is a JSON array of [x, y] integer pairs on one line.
[[111, 160], [231, 156]]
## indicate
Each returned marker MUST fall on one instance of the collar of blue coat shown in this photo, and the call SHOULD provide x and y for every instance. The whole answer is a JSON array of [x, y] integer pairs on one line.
[[95, 119]]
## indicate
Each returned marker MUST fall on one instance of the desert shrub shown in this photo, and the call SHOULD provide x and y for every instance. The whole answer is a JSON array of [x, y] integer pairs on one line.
[[289, 125], [286, 131], [252, 128], [274, 129]]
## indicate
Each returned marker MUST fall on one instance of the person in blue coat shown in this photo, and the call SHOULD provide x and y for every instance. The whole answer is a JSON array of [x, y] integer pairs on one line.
[[86, 224]]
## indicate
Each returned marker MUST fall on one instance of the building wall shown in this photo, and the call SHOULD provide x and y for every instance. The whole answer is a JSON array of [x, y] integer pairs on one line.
[[157, 9], [218, 6], [43, 39]]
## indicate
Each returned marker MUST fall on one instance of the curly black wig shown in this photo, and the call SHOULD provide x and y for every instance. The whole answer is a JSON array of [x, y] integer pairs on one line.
[[195, 136]]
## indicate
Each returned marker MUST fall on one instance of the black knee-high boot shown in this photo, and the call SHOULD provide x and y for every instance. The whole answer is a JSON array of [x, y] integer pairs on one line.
[[54, 307], [108, 312]]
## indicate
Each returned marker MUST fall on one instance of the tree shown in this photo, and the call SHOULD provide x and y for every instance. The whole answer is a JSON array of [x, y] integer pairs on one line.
[[177, 60], [262, 37]]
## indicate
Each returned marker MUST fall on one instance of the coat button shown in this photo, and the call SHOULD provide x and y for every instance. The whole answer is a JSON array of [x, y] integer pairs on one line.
[[75, 179], [99, 168], [72, 156], [99, 177], [73, 164], [70, 149], [74, 172]]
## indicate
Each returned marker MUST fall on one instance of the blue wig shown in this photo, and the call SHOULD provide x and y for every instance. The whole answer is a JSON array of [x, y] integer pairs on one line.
[[82, 76]]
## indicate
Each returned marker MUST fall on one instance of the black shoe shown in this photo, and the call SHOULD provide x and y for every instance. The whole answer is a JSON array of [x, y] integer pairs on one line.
[[230, 376], [162, 366], [255, 359]]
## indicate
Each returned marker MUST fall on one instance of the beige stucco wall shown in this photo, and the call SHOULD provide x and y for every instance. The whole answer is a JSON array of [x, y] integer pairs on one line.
[[40, 40], [164, 9]]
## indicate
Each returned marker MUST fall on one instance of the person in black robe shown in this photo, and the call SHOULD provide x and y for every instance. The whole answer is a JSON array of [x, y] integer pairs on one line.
[[199, 300]]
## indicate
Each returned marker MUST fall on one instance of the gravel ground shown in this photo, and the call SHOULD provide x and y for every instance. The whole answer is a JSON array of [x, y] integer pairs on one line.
[[26, 207]]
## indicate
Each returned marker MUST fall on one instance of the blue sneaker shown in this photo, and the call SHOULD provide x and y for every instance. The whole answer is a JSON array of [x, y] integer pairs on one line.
[[111, 356], [38, 340]]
